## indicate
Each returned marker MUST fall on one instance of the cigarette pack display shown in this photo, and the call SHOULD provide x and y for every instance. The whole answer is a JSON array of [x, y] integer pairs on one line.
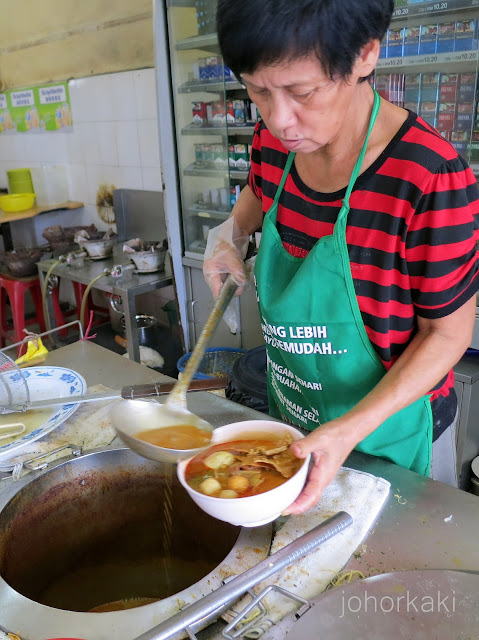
[[199, 113], [383, 48], [466, 35], [203, 69], [429, 87], [214, 65], [428, 41], [467, 87], [448, 87], [459, 140], [474, 146], [411, 41], [217, 115], [254, 113], [239, 111], [446, 37], [446, 116], [231, 156], [395, 46], [220, 159], [230, 112], [412, 82], [465, 116], [242, 157]]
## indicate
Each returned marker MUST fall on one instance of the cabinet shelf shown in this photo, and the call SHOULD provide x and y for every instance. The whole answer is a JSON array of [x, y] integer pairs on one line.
[[193, 170], [206, 42], [431, 9], [230, 130], [213, 86], [444, 62], [204, 212]]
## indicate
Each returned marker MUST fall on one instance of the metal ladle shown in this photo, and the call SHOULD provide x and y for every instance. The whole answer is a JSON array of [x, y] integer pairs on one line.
[[134, 416]]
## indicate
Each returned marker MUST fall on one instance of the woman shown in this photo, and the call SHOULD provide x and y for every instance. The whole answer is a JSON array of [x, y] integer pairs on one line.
[[367, 267]]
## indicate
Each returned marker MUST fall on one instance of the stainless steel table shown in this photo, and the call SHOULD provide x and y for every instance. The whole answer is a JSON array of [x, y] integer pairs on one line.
[[128, 286]]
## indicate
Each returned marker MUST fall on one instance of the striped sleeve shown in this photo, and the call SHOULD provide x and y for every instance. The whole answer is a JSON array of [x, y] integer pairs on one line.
[[441, 243], [255, 178]]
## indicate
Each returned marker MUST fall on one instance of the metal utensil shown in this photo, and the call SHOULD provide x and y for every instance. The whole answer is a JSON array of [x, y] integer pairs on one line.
[[135, 416], [129, 392]]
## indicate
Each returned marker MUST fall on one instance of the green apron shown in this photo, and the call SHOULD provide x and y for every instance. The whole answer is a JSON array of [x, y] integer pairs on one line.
[[321, 362]]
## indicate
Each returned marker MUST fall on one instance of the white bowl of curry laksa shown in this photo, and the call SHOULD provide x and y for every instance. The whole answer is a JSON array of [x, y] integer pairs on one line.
[[248, 476]]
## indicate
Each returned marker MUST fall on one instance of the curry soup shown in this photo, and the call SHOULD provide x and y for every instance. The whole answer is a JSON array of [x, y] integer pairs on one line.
[[242, 468]]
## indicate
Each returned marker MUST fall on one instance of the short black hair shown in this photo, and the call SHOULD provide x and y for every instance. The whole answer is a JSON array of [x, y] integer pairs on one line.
[[254, 33]]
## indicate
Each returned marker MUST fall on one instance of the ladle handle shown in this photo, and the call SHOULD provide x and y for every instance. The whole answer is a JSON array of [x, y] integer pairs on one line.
[[177, 397], [130, 392]]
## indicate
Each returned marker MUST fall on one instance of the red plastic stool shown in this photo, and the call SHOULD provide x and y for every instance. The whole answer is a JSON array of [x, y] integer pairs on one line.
[[79, 290], [15, 289]]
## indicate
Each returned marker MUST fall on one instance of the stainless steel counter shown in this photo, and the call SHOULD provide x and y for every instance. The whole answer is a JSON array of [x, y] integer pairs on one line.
[[128, 286], [424, 525]]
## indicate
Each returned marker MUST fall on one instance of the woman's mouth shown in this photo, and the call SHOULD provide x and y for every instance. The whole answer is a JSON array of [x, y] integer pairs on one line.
[[291, 144]]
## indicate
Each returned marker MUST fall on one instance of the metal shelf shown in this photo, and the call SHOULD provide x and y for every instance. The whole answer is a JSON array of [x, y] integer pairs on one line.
[[204, 212], [181, 3], [193, 170], [207, 213], [225, 130], [213, 86], [198, 42], [444, 62], [431, 9]]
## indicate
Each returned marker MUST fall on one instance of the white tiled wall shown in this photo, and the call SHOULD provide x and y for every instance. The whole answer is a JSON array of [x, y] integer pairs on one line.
[[114, 140]]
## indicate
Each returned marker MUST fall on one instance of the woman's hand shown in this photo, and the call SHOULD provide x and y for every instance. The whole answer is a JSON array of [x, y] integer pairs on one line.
[[228, 243], [330, 445]]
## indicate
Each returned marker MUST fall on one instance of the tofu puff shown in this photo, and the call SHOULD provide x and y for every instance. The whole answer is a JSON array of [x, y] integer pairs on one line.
[[242, 468]]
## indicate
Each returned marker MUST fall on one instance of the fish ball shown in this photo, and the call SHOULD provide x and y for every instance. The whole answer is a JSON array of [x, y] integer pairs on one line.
[[210, 486], [238, 483], [228, 493], [219, 459]]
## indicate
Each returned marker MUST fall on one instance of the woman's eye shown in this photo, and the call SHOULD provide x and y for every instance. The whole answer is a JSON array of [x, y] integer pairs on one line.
[[302, 96]]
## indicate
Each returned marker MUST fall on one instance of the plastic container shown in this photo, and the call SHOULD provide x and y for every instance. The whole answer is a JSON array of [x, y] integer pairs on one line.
[[20, 181], [217, 362], [16, 202], [50, 184]]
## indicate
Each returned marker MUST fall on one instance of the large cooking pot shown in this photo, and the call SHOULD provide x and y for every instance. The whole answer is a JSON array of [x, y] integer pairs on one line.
[[110, 527]]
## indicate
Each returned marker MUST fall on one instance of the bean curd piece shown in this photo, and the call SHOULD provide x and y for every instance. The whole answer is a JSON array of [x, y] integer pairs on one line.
[[228, 493], [210, 486], [238, 483], [219, 459]]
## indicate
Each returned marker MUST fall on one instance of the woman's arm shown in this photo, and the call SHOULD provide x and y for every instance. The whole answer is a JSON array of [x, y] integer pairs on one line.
[[434, 350]]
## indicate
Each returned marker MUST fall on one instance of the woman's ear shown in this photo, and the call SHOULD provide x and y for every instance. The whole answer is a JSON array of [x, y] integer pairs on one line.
[[366, 61]]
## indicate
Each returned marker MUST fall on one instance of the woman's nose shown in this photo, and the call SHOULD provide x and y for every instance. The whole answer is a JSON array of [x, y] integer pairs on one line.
[[281, 115]]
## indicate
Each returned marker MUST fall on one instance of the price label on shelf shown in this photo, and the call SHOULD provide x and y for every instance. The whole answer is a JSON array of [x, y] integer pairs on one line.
[[430, 59]]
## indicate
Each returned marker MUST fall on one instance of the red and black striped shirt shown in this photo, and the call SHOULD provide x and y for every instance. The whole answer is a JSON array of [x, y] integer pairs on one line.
[[411, 232]]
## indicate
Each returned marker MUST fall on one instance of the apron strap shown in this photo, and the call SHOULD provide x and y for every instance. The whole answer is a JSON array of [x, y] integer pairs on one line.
[[284, 177], [357, 167]]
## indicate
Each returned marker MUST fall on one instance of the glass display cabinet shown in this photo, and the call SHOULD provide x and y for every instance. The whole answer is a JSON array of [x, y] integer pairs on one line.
[[214, 122]]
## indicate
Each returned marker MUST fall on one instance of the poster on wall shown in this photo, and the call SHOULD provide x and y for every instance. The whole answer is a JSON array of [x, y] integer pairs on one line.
[[36, 109]]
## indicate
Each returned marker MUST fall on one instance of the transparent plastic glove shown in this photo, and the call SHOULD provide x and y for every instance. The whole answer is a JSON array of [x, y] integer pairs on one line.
[[226, 249], [230, 315]]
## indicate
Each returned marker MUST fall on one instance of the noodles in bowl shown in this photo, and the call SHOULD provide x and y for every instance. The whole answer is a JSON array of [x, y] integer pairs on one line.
[[248, 476]]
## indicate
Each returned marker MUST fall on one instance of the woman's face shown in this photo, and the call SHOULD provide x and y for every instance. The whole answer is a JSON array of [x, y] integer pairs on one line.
[[301, 105]]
